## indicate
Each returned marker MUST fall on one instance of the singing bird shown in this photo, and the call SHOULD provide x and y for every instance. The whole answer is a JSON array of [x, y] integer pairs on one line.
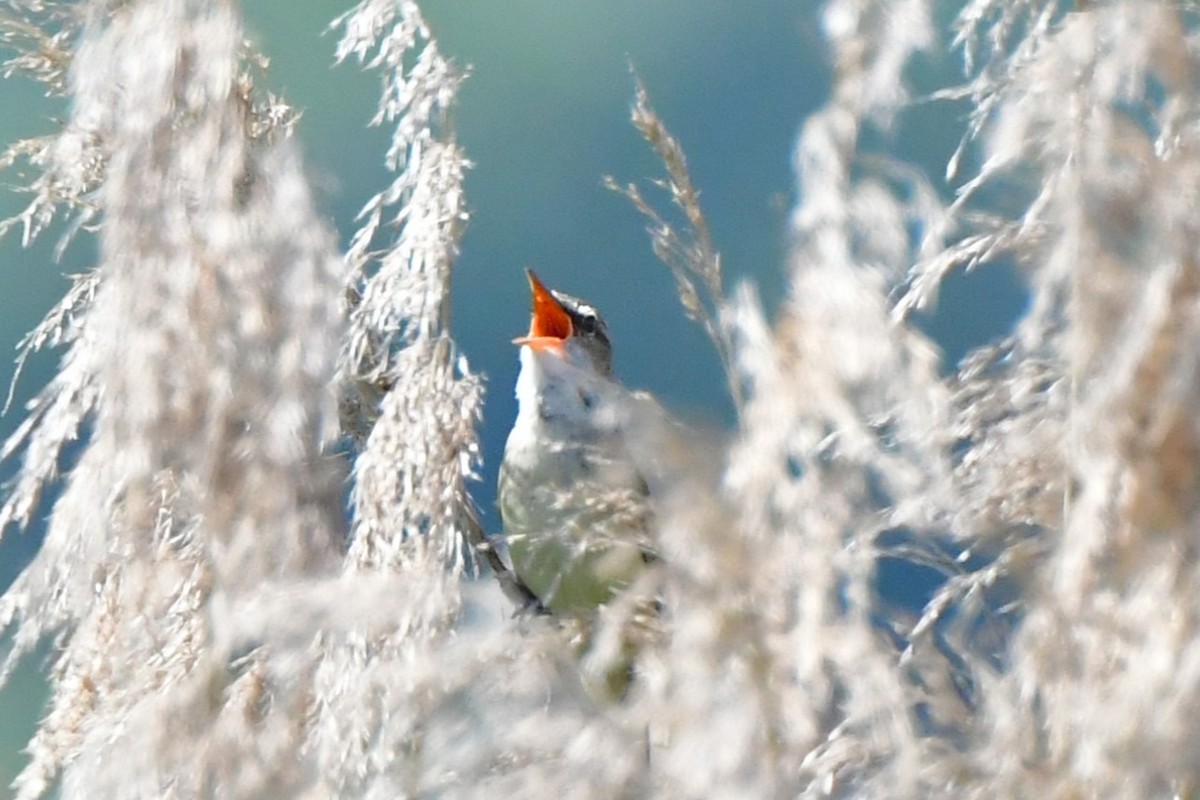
[[574, 504]]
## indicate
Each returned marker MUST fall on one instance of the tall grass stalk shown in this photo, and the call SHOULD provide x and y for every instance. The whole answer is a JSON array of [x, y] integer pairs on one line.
[[225, 626]]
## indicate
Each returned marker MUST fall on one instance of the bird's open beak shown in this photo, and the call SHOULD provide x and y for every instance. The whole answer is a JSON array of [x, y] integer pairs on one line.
[[550, 325]]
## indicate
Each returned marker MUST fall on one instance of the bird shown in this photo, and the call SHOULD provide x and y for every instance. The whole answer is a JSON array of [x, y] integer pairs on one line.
[[574, 504]]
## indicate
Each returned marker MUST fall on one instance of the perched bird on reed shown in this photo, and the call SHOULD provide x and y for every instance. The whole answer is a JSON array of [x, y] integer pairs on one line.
[[573, 502]]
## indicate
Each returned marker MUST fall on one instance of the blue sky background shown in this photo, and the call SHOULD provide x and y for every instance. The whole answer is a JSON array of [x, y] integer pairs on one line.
[[544, 116]]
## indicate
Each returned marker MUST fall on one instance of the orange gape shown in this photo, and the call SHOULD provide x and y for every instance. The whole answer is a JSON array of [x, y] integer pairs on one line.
[[550, 325]]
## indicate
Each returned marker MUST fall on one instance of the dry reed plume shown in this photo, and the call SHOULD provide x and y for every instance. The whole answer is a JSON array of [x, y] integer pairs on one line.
[[227, 628]]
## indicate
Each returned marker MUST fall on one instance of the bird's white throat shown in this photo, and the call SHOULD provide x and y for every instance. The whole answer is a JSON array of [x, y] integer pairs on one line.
[[559, 397]]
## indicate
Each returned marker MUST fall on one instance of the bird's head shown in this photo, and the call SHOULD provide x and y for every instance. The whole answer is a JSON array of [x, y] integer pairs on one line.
[[568, 328]]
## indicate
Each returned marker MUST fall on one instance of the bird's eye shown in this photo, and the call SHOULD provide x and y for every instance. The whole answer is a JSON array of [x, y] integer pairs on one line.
[[587, 324]]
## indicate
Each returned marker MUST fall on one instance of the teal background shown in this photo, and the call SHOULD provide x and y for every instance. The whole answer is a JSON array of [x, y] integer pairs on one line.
[[544, 115]]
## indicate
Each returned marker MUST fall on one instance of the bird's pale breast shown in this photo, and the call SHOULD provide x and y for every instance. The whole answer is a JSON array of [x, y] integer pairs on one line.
[[573, 506]]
